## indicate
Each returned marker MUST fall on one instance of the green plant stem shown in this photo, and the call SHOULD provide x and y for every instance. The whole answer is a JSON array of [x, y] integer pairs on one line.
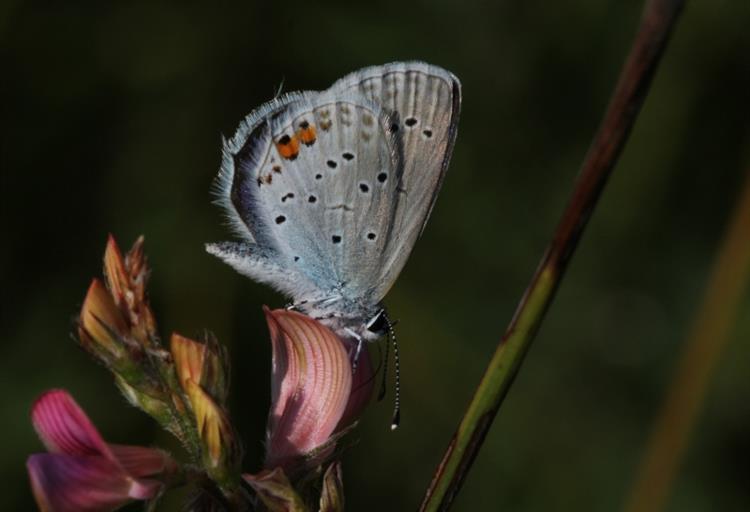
[[706, 341], [658, 19]]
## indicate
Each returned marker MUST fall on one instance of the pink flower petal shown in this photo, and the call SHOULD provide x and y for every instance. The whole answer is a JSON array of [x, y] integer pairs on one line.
[[310, 385], [83, 472], [144, 488], [63, 427], [363, 381], [85, 483], [139, 461]]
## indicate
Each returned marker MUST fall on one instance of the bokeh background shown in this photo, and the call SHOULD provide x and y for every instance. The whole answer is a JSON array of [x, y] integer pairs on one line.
[[111, 122]]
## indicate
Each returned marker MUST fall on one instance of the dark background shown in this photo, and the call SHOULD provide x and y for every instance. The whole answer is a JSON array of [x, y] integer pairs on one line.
[[111, 116]]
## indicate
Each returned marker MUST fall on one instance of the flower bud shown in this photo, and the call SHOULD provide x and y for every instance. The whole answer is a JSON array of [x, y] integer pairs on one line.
[[222, 452], [102, 326], [203, 363], [275, 491], [126, 279], [332, 494]]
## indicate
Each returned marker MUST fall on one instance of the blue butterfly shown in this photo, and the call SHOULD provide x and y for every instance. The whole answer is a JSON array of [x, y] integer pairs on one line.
[[330, 190]]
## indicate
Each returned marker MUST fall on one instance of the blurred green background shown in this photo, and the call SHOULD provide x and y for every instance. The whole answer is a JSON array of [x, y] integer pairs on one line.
[[111, 117]]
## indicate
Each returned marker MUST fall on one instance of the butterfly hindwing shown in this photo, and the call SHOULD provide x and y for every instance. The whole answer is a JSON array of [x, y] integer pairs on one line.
[[230, 182]]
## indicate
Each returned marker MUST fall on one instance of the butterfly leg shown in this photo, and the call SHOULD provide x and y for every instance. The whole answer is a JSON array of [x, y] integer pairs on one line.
[[295, 306], [358, 350]]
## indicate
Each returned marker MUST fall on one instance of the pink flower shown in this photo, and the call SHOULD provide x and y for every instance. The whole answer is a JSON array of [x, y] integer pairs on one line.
[[312, 390], [82, 472], [362, 384]]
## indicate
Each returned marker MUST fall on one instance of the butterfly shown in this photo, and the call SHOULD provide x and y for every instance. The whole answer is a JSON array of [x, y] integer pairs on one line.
[[330, 190]]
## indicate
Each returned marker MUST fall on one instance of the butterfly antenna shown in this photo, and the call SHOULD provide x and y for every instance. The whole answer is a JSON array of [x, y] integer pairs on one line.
[[281, 88], [396, 420], [384, 380], [357, 351]]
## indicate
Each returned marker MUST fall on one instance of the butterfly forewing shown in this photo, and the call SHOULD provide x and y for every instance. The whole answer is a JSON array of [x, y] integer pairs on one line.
[[424, 101], [316, 182]]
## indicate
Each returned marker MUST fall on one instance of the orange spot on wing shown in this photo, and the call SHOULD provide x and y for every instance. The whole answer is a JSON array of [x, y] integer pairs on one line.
[[288, 147], [307, 135]]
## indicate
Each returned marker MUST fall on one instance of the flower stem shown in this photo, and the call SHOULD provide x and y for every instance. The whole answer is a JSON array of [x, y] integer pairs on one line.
[[708, 336], [658, 19]]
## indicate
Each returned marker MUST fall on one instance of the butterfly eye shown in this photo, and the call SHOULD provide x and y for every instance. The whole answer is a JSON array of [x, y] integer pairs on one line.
[[378, 324]]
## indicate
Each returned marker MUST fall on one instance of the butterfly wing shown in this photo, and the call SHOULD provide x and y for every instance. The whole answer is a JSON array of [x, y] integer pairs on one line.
[[311, 183], [424, 101]]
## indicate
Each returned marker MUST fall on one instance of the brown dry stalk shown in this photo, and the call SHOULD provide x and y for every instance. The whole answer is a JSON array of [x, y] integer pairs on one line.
[[659, 17]]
